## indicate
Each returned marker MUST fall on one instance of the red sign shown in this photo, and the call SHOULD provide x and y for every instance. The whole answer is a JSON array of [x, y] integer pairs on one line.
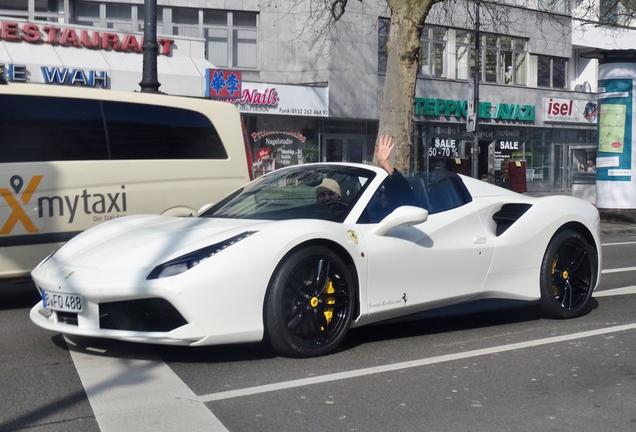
[[223, 84], [69, 37]]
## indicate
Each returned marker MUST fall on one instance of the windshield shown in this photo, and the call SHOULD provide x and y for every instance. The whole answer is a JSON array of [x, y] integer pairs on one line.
[[325, 192]]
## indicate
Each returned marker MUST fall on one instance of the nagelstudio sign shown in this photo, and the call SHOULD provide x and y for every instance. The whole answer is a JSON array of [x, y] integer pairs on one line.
[[430, 107]]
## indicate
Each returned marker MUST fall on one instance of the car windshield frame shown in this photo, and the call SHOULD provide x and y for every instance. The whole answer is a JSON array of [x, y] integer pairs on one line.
[[290, 193]]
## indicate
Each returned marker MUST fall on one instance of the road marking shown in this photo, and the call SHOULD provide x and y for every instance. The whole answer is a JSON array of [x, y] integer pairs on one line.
[[619, 243], [618, 270], [616, 291], [249, 391], [139, 394]]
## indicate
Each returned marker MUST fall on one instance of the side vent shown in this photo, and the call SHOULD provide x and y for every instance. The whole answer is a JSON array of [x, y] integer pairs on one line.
[[507, 215]]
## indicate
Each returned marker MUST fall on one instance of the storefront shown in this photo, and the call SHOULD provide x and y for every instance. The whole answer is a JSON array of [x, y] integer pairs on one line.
[[58, 54], [551, 143], [283, 122]]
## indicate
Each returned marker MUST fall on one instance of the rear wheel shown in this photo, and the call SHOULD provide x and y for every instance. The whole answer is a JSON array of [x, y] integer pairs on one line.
[[310, 303], [568, 275]]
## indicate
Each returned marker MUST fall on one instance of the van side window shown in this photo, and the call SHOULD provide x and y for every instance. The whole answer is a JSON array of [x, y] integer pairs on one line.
[[138, 131], [37, 129]]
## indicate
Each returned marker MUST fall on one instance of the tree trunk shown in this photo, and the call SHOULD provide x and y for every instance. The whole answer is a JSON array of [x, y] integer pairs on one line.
[[396, 116]]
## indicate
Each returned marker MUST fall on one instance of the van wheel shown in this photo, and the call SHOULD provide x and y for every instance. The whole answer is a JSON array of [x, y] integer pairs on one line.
[[310, 303], [568, 275]]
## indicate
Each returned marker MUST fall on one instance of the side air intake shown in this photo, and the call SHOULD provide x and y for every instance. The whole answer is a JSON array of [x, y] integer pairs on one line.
[[507, 215]]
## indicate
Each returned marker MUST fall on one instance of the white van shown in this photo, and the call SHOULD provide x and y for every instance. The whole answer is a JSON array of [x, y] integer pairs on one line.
[[71, 158]]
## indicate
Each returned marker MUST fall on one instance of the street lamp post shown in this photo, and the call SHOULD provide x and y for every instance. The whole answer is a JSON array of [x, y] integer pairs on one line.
[[475, 149], [149, 82]]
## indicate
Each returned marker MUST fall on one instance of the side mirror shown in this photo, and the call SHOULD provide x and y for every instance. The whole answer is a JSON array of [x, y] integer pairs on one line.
[[204, 208], [404, 215]]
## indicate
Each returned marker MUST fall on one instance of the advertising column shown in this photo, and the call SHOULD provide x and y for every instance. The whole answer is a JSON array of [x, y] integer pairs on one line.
[[615, 182]]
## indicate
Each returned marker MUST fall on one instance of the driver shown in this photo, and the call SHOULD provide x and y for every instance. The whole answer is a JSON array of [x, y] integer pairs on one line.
[[328, 190]]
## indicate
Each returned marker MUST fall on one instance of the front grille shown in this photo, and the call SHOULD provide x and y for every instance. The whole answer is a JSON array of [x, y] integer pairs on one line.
[[148, 315], [69, 318]]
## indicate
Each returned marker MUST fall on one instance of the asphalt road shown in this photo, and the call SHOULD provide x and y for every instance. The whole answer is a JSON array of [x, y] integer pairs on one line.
[[501, 370]]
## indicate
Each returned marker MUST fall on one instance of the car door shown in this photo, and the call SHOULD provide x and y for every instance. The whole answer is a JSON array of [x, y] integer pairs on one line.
[[440, 261]]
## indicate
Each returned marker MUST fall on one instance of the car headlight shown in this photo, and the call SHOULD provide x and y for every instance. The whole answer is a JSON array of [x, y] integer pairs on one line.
[[185, 262]]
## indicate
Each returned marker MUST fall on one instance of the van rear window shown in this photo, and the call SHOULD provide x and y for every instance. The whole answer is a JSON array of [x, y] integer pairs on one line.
[[35, 129]]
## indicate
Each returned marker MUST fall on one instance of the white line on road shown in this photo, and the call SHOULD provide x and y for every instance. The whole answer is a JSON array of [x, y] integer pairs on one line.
[[619, 243], [249, 391], [616, 291], [140, 394], [618, 270]]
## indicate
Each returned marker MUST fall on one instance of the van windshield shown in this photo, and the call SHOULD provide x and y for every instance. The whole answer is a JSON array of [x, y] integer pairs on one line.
[[326, 192]]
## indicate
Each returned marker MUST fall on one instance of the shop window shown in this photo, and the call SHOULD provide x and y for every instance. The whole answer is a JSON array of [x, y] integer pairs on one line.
[[551, 72]]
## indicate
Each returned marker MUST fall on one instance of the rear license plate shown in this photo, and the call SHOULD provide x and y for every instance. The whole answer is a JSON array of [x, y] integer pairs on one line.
[[62, 302]]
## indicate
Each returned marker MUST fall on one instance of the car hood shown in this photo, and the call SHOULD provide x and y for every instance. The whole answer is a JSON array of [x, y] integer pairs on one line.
[[143, 241]]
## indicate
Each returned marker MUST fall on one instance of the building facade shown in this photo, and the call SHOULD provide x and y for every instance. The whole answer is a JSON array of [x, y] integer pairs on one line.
[[537, 90]]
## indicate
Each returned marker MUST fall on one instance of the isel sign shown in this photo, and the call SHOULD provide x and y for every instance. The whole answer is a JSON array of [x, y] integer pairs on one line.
[[569, 110]]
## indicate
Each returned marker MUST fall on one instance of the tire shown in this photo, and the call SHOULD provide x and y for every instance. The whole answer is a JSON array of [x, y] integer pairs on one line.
[[568, 275], [310, 303]]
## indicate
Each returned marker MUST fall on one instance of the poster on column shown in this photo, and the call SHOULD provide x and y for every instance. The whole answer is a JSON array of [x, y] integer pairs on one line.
[[614, 158]]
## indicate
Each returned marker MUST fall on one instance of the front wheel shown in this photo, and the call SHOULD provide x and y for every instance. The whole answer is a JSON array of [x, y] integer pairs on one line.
[[310, 303], [568, 275]]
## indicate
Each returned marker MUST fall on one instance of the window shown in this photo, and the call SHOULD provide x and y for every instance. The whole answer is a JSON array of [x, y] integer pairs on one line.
[[185, 22], [244, 40], [608, 11], [556, 6], [432, 49], [231, 38], [57, 129], [119, 17], [383, 39], [437, 191], [551, 71], [432, 52], [86, 13], [137, 131], [503, 58], [464, 54], [41, 129]]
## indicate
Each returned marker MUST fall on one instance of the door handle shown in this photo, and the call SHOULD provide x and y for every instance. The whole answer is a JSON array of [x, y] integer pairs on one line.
[[479, 240]]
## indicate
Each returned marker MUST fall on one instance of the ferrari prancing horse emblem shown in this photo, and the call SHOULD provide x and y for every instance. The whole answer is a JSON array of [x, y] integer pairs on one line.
[[353, 236]]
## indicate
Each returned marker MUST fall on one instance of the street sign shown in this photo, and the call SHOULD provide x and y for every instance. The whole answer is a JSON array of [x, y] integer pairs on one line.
[[471, 122]]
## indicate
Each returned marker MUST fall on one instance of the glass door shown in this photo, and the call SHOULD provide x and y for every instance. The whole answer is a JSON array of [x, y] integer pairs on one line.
[[344, 148]]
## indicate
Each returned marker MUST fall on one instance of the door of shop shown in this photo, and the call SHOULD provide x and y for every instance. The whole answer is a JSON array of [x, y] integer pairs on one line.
[[572, 163], [344, 148]]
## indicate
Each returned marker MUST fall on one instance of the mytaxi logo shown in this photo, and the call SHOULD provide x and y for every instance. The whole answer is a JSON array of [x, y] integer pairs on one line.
[[60, 207], [13, 199]]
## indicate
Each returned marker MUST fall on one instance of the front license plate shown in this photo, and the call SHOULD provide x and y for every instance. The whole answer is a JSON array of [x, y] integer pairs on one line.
[[62, 302]]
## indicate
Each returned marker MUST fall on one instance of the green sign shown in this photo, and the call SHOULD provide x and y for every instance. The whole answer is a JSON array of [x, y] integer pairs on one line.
[[429, 107]]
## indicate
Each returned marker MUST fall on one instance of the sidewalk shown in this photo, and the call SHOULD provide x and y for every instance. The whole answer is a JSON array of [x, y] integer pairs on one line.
[[612, 228]]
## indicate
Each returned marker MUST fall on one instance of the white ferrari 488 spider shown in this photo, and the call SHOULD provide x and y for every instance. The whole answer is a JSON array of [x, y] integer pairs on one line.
[[302, 254]]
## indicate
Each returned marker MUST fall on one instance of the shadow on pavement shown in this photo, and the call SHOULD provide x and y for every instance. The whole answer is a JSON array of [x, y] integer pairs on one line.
[[18, 294]]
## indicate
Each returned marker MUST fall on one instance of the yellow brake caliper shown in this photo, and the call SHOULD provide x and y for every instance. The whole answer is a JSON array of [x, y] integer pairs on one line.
[[555, 288], [330, 300]]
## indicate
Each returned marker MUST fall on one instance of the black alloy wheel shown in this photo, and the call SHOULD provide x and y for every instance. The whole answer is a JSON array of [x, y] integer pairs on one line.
[[310, 303], [568, 275]]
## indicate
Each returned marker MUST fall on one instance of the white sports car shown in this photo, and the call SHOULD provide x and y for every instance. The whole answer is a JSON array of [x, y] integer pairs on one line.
[[302, 254]]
